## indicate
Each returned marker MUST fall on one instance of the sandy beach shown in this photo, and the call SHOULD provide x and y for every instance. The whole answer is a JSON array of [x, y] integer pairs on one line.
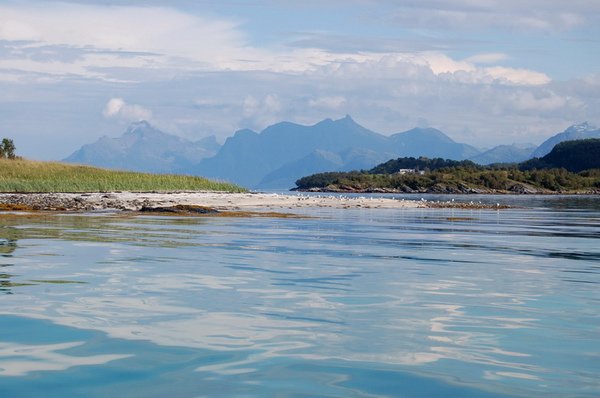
[[135, 201]]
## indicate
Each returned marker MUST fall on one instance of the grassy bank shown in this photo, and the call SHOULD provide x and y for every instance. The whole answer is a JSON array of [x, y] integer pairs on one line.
[[33, 176]]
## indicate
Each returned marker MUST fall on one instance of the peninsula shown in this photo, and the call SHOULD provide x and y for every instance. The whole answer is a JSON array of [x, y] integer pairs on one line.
[[572, 167]]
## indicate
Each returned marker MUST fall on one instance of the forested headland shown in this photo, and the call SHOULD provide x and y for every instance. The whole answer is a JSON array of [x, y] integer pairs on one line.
[[571, 167]]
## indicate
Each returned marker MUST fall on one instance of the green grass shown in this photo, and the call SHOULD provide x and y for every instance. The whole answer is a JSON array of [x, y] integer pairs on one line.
[[32, 176]]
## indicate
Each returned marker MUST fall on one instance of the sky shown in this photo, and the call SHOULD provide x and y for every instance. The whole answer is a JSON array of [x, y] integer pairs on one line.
[[485, 72]]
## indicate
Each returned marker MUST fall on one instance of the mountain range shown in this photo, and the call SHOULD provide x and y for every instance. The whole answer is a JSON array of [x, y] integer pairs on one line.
[[280, 154], [145, 148], [284, 152]]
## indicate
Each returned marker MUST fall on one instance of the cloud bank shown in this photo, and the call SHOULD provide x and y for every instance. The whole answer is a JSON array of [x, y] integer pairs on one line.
[[480, 71], [164, 41]]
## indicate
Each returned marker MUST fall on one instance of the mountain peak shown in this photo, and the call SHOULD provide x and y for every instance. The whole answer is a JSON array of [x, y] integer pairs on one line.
[[324, 122], [581, 128], [245, 132], [425, 133], [575, 132], [141, 125], [348, 121]]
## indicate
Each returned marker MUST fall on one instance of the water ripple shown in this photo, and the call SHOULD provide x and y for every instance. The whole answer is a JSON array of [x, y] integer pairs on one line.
[[355, 303]]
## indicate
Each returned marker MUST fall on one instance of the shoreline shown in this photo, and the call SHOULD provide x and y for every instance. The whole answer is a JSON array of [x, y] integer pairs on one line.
[[527, 191], [216, 201], [208, 203]]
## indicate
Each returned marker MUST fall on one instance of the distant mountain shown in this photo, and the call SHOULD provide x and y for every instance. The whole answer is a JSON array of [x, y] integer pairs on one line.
[[315, 162], [431, 143], [575, 132], [319, 161], [209, 143], [247, 157], [573, 155], [281, 153], [145, 148], [504, 154]]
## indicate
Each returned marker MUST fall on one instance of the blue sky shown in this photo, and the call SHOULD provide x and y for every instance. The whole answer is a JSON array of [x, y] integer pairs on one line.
[[485, 72]]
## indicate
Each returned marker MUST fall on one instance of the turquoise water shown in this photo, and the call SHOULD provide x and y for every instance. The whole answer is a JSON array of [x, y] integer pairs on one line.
[[352, 303]]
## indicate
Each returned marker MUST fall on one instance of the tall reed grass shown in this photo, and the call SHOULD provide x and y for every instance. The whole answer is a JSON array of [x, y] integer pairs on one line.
[[21, 175]]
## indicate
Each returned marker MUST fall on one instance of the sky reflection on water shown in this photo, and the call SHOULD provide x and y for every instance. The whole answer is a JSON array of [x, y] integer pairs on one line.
[[482, 302]]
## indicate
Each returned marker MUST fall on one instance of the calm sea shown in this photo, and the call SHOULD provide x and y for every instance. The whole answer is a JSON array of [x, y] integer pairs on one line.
[[349, 303]]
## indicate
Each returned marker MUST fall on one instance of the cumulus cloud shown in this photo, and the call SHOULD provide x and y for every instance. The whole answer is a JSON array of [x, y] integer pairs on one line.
[[487, 58], [428, 66], [517, 76], [117, 108]]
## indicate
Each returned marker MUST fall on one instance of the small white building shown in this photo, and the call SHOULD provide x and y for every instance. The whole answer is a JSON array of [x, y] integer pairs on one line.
[[410, 171]]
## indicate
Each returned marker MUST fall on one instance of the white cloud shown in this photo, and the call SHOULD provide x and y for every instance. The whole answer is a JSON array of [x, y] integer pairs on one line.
[[76, 49], [9, 77], [117, 108], [527, 101], [517, 76], [542, 102], [257, 113], [440, 63], [163, 42], [327, 102], [154, 29], [429, 66], [527, 15], [271, 104], [109, 37], [487, 58], [250, 106]]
